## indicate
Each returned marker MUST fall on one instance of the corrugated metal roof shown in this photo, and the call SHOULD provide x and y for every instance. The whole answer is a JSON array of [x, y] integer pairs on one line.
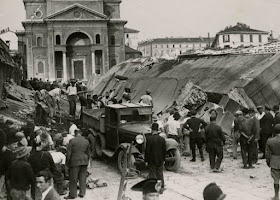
[[255, 73]]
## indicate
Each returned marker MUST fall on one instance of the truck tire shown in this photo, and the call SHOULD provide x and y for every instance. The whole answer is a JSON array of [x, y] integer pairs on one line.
[[100, 144], [121, 161], [173, 160], [92, 142]]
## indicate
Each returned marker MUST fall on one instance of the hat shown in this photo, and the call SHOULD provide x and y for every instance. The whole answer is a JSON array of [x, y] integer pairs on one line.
[[213, 192], [239, 112], [148, 186], [155, 126], [72, 80], [148, 91], [20, 134], [155, 118], [277, 128], [176, 116], [275, 108], [259, 107], [36, 128], [23, 151]]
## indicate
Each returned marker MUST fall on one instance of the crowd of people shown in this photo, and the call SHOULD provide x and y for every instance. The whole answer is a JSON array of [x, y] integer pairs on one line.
[[32, 158]]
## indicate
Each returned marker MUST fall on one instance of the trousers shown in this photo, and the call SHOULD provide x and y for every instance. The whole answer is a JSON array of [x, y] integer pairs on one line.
[[72, 104], [264, 138], [247, 150], [156, 172], [196, 142], [216, 155], [77, 173]]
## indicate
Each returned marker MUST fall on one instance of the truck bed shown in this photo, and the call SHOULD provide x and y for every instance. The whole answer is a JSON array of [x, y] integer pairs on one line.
[[94, 118]]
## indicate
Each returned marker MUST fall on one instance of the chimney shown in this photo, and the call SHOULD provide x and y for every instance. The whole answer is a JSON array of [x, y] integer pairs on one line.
[[8, 42]]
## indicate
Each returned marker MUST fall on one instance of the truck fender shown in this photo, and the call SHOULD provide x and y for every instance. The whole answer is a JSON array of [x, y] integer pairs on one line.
[[171, 144], [92, 131], [122, 146]]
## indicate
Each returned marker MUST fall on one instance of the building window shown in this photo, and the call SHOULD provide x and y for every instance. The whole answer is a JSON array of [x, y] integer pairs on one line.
[[173, 46], [180, 46], [260, 38], [57, 39], [40, 67], [113, 62], [161, 46], [180, 52], [97, 39], [241, 38], [127, 35], [113, 40], [39, 42], [251, 38], [226, 38], [167, 45], [58, 73]]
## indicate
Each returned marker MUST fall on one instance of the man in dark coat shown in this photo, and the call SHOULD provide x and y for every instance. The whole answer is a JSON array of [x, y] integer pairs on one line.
[[266, 124], [21, 175], [273, 159], [8, 157], [42, 160], [77, 160], [248, 132], [215, 139], [155, 154], [277, 114], [44, 183], [194, 125]]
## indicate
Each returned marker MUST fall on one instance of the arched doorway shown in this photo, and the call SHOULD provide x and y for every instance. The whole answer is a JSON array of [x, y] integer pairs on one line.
[[78, 55]]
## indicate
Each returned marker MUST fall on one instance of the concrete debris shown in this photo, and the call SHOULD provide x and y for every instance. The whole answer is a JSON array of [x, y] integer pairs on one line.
[[191, 97], [95, 183]]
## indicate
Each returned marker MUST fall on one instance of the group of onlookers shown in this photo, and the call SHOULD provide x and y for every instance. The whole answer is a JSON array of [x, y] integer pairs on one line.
[[34, 163]]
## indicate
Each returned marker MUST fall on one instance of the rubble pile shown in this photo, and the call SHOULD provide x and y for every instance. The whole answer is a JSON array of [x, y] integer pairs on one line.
[[191, 97]]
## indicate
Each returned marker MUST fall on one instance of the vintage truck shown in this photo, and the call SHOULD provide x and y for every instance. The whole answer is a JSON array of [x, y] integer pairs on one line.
[[115, 127]]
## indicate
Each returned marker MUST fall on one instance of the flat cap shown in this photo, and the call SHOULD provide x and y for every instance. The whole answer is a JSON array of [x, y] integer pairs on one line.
[[148, 186]]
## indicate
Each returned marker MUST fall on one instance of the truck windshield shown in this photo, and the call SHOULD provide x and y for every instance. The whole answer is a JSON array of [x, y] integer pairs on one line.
[[135, 115]]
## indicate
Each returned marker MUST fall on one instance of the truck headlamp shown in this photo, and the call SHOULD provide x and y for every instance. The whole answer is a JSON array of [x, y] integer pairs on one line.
[[139, 139]]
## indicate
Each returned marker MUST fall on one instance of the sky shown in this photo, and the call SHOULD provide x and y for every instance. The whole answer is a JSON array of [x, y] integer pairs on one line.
[[176, 18]]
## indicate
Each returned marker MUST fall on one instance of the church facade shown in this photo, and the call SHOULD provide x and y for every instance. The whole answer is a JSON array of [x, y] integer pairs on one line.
[[66, 39]]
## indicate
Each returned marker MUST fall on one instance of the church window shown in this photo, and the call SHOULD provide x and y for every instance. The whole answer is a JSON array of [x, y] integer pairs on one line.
[[77, 14], [108, 13], [97, 39], [113, 40], [39, 42], [57, 39], [38, 14], [127, 35], [40, 67]]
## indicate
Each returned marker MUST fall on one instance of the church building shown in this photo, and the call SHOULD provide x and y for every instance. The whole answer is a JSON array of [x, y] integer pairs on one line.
[[66, 39]]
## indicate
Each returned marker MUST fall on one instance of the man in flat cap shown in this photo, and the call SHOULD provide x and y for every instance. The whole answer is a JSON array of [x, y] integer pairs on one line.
[[272, 156], [151, 188]]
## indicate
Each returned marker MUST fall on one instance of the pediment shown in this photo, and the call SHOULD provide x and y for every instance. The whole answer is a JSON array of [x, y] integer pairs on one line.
[[77, 12]]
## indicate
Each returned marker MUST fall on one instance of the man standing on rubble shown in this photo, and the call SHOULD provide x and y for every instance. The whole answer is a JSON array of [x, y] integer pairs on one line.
[[194, 125], [72, 97], [215, 139], [266, 124]]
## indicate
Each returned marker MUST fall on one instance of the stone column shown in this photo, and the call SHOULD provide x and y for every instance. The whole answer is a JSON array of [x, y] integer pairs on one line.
[[92, 62], [64, 66]]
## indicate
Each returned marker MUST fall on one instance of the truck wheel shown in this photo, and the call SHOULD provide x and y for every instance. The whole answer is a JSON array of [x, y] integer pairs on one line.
[[92, 141], [121, 161], [172, 160], [100, 145]]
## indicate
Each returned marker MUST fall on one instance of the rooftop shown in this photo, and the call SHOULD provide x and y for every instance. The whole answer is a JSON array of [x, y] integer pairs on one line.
[[240, 27], [129, 30], [177, 40]]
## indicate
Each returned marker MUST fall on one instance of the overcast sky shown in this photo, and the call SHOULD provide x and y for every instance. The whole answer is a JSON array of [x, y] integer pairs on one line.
[[186, 18]]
